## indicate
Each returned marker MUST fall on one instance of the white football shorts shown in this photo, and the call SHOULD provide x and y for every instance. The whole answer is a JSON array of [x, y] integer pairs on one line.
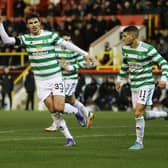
[[70, 86], [143, 96], [54, 86]]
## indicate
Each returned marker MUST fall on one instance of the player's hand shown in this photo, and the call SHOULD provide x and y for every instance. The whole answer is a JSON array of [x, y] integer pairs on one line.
[[162, 84], [65, 67], [90, 59], [117, 86]]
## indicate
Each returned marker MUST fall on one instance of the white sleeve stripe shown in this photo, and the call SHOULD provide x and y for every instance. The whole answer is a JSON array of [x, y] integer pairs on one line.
[[73, 47], [5, 38]]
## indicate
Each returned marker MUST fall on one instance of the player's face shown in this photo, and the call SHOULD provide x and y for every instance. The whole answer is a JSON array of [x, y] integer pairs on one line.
[[66, 38], [128, 38], [34, 26]]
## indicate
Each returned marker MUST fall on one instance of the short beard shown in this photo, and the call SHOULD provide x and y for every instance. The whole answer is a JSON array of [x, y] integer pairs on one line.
[[130, 44]]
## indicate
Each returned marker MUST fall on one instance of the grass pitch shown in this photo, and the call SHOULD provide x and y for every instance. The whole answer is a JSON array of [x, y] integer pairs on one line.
[[25, 144]]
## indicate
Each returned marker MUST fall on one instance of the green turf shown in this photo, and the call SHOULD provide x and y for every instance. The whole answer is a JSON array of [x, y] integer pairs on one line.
[[24, 144]]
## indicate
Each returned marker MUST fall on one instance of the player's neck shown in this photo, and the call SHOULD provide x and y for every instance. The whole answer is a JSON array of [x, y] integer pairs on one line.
[[135, 44]]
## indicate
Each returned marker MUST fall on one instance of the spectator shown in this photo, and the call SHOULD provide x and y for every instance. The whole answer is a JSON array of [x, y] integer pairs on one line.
[[107, 96], [112, 22], [7, 88], [90, 35], [30, 89], [163, 48], [113, 7], [78, 38], [127, 8], [164, 16], [50, 23], [19, 25], [89, 92], [100, 26], [19, 7], [107, 58], [81, 83], [50, 9], [164, 101], [156, 96], [138, 9], [125, 102]]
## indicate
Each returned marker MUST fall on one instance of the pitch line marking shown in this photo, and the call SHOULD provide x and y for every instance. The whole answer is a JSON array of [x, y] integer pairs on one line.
[[80, 136]]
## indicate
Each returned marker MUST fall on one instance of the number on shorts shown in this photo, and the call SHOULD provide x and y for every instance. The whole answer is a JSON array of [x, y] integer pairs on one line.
[[142, 94], [59, 86]]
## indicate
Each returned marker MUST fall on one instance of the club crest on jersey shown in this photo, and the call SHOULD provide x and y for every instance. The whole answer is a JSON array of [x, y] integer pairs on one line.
[[39, 48]]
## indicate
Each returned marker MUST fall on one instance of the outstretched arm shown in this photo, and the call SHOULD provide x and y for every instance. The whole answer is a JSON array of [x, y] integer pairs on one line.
[[4, 36], [75, 48]]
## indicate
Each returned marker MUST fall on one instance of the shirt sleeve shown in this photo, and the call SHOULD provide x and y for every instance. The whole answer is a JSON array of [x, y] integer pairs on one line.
[[5, 37], [80, 62], [156, 57], [124, 68]]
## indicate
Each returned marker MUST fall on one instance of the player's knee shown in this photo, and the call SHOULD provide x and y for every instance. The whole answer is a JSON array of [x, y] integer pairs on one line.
[[51, 109], [59, 108], [138, 114]]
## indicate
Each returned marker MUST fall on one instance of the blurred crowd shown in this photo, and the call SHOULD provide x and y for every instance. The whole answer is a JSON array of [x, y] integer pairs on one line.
[[84, 7], [85, 20], [100, 94]]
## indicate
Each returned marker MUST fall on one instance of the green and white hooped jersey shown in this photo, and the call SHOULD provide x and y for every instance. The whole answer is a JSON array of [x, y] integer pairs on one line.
[[41, 52], [138, 61], [72, 59]]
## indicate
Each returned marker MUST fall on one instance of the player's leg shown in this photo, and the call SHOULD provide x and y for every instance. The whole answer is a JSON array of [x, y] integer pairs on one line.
[[49, 103], [68, 109], [151, 114], [89, 116], [141, 98], [70, 98], [62, 126], [70, 87], [51, 92], [79, 116], [55, 104], [140, 127]]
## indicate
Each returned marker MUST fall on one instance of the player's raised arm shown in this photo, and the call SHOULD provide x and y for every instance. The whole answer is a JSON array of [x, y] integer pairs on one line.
[[69, 45], [4, 36]]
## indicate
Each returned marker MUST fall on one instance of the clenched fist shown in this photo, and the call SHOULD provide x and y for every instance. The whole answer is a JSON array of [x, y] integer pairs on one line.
[[162, 84]]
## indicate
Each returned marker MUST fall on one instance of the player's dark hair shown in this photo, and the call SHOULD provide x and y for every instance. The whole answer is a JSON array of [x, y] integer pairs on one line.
[[32, 15], [65, 33], [132, 29]]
